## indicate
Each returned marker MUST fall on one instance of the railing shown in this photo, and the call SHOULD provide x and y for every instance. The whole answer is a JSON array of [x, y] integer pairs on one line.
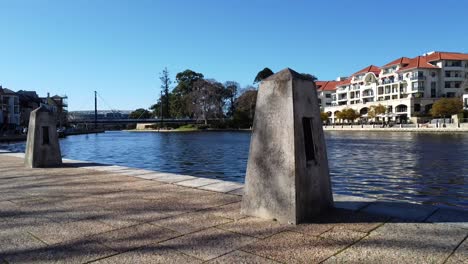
[[388, 81], [454, 76], [418, 77], [451, 65]]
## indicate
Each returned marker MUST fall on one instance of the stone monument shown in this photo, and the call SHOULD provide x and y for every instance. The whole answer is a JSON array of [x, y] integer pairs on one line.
[[42, 146], [287, 173]]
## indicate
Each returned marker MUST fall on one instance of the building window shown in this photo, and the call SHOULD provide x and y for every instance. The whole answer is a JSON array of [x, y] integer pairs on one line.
[[328, 96], [457, 84], [453, 64], [417, 107], [450, 95], [401, 109], [433, 89], [448, 84]]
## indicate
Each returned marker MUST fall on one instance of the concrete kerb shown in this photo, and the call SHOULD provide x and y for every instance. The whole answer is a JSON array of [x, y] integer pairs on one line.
[[399, 210]]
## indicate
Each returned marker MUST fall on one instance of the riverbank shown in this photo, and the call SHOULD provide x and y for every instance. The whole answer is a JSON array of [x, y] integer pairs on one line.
[[85, 212], [187, 130], [397, 129]]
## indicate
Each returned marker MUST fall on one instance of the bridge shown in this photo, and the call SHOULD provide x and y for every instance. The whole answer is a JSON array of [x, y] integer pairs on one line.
[[133, 121]]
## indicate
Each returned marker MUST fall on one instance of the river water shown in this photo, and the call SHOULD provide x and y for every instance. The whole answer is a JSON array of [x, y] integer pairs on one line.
[[420, 168]]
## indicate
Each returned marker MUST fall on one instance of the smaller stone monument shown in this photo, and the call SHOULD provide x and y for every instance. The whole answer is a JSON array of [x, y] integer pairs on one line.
[[287, 173], [42, 146]]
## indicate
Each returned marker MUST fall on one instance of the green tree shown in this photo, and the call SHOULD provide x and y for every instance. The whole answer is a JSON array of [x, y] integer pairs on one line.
[[446, 107], [339, 115], [230, 93], [263, 74], [375, 110], [310, 76], [324, 117], [140, 113], [156, 109], [245, 108], [165, 85], [179, 99], [347, 114]]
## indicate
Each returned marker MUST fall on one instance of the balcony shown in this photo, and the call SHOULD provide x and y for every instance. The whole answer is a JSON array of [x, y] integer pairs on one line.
[[342, 90], [419, 77], [388, 80], [454, 64]]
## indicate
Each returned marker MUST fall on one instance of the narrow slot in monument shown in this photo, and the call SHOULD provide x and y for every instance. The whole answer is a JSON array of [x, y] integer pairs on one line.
[[308, 139], [45, 135]]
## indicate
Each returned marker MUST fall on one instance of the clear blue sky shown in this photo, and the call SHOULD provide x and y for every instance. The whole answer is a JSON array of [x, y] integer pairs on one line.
[[118, 47]]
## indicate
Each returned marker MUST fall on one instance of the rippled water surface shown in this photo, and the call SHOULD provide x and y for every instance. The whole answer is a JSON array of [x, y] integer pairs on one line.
[[423, 168]]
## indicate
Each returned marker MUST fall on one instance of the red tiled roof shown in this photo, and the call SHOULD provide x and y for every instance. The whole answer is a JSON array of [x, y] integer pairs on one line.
[[326, 85], [402, 60], [419, 62], [344, 82], [370, 68], [446, 56], [330, 85]]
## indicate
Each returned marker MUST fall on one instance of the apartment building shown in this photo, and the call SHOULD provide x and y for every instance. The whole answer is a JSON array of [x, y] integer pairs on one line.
[[9, 109], [16, 107], [407, 87]]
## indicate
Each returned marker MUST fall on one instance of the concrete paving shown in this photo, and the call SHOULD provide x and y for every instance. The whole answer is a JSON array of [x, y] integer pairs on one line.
[[94, 213]]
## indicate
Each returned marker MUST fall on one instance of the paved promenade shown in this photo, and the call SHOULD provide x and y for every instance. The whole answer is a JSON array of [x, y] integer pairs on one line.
[[92, 213]]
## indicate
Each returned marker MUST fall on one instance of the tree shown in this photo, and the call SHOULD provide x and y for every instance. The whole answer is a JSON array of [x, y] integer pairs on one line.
[[156, 108], [207, 99], [347, 114], [231, 89], [309, 76], [324, 117], [375, 110], [245, 108], [140, 113], [446, 107], [339, 115], [263, 74], [165, 83], [179, 101]]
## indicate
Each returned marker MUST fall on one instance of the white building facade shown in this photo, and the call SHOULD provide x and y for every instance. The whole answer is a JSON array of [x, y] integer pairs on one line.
[[407, 87]]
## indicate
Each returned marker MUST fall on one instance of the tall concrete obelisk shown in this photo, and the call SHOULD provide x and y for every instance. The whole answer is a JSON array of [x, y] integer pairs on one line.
[[287, 173], [42, 145]]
